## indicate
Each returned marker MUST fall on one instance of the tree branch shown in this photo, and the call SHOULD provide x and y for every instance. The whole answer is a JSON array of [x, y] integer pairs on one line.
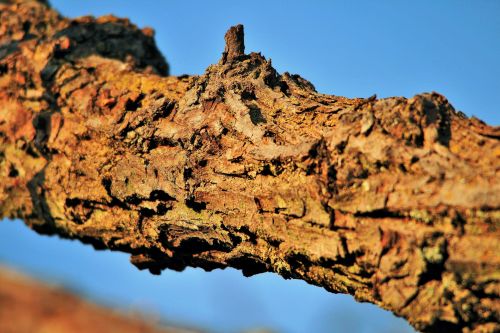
[[30, 306], [394, 200]]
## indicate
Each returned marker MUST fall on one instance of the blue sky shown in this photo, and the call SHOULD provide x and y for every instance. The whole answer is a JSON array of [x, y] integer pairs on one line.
[[348, 48]]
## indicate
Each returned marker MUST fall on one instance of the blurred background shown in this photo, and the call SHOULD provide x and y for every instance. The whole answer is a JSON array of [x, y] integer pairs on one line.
[[348, 48]]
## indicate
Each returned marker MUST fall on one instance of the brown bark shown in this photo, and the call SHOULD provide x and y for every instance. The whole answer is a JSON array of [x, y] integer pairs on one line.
[[28, 306], [394, 200]]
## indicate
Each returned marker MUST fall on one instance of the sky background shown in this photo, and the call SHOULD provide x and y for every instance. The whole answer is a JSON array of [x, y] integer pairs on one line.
[[348, 48]]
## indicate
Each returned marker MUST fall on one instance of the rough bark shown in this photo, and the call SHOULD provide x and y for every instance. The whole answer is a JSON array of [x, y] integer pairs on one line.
[[394, 200], [28, 306]]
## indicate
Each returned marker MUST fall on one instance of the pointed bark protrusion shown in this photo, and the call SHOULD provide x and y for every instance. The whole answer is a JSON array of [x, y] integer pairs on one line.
[[235, 43]]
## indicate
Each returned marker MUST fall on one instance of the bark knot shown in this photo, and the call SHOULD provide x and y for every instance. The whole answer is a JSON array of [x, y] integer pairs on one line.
[[235, 44]]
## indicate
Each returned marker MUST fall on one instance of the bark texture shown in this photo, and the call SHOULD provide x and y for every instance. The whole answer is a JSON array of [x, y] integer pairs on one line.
[[28, 306], [395, 201]]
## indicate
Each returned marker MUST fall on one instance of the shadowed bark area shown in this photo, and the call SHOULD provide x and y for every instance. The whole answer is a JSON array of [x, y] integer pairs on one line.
[[394, 201], [28, 306]]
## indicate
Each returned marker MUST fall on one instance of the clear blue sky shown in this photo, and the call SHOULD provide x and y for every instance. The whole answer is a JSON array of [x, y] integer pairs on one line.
[[349, 48]]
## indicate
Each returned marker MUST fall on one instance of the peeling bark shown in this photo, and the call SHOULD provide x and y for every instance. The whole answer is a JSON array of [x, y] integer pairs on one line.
[[394, 201]]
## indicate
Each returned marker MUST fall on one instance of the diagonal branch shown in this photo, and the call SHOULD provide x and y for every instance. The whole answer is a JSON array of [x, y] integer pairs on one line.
[[395, 201], [28, 305]]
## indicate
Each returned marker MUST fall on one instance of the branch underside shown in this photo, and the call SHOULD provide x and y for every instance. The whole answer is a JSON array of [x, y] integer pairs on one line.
[[394, 200]]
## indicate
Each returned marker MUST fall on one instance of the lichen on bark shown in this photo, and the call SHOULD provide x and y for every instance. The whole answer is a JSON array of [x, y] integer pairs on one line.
[[394, 201]]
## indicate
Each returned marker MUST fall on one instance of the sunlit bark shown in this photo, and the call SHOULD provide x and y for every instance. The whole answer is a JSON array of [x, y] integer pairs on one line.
[[394, 201]]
